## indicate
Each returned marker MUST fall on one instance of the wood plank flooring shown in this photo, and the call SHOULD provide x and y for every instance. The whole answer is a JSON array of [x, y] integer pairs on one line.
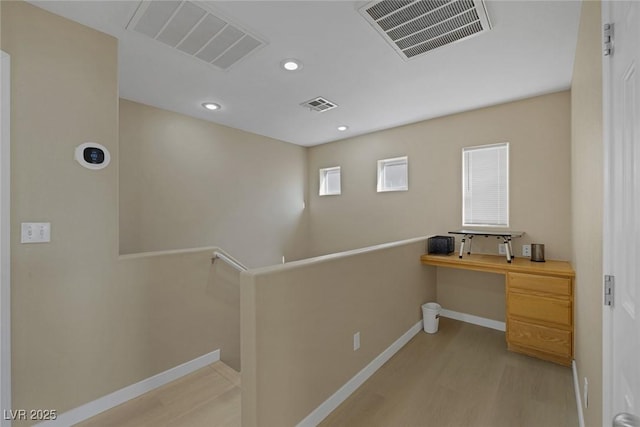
[[209, 397], [461, 376]]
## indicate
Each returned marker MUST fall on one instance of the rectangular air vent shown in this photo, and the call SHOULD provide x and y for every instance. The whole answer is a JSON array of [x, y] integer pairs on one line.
[[415, 27], [319, 104], [195, 30]]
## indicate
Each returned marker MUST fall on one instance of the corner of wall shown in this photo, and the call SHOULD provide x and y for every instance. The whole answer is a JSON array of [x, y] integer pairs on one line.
[[587, 207], [248, 359]]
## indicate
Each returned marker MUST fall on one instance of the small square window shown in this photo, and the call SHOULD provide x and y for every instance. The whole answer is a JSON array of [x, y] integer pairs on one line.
[[393, 174], [330, 181]]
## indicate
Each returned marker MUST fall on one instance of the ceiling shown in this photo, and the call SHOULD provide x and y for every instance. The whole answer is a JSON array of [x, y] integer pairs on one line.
[[529, 51]]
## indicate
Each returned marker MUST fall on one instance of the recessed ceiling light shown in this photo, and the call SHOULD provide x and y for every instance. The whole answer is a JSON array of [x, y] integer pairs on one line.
[[211, 106], [343, 128], [291, 64]]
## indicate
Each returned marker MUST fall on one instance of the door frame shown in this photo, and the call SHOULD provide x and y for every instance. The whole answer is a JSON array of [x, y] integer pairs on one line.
[[5, 241], [607, 228]]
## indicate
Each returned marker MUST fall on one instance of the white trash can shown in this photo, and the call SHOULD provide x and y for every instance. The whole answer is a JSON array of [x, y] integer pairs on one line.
[[431, 317]]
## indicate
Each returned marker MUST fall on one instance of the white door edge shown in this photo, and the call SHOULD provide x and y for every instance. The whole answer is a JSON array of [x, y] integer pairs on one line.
[[5, 241], [607, 335], [620, 99]]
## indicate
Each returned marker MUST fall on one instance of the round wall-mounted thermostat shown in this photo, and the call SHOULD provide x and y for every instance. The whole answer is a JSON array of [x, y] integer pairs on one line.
[[92, 155]]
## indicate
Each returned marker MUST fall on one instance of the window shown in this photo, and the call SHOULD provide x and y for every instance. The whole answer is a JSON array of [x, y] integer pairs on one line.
[[485, 185], [392, 174], [330, 181]]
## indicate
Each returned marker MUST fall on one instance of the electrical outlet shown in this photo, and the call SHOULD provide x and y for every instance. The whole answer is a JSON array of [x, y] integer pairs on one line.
[[356, 341], [585, 392], [501, 249], [526, 250]]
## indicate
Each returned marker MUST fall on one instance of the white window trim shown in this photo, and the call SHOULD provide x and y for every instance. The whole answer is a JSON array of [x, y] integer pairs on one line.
[[384, 162], [479, 147], [322, 174]]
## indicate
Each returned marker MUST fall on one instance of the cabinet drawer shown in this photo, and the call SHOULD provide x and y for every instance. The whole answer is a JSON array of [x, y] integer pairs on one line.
[[546, 309], [541, 338], [532, 282]]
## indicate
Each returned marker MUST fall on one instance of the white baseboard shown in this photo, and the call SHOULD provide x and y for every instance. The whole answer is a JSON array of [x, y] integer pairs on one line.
[[576, 387], [321, 412], [118, 397], [476, 320]]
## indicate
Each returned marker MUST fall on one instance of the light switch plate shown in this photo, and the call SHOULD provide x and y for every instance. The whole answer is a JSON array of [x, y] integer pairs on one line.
[[35, 232]]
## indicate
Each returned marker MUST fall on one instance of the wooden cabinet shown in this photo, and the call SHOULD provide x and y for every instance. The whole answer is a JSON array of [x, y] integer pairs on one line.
[[540, 316], [539, 310]]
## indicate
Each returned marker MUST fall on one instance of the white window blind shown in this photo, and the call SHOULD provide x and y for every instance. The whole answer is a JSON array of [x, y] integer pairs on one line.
[[330, 181], [485, 185], [393, 174]]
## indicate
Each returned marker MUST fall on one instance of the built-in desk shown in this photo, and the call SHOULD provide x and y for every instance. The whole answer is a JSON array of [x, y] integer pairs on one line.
[[539, 299]]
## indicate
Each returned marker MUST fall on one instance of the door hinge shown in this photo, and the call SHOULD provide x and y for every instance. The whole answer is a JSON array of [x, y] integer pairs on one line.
[[609, 283], [607, 35]]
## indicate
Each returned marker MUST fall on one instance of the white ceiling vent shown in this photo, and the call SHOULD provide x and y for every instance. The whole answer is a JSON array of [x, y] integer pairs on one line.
[[414, 27], [195, 30], [319, 104]]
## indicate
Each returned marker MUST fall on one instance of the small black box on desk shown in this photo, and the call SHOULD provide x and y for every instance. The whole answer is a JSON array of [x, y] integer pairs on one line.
[[441, 244]]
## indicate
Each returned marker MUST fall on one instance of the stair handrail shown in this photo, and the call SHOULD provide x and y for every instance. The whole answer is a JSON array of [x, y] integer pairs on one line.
[[220, 254]]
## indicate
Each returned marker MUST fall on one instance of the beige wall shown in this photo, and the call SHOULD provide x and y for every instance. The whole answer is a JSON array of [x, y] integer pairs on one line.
[[188, 183], [298, 322], [538, 130], [587, 201], [472, 292], [171, 309], [64, 92], [85, 322]]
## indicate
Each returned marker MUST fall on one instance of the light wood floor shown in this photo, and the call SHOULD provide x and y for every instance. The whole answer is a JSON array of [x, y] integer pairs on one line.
[[209, 397], [461, 376]]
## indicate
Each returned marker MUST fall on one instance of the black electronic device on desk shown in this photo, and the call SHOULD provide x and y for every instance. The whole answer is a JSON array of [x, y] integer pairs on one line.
[[506, 236], [441, 245]]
